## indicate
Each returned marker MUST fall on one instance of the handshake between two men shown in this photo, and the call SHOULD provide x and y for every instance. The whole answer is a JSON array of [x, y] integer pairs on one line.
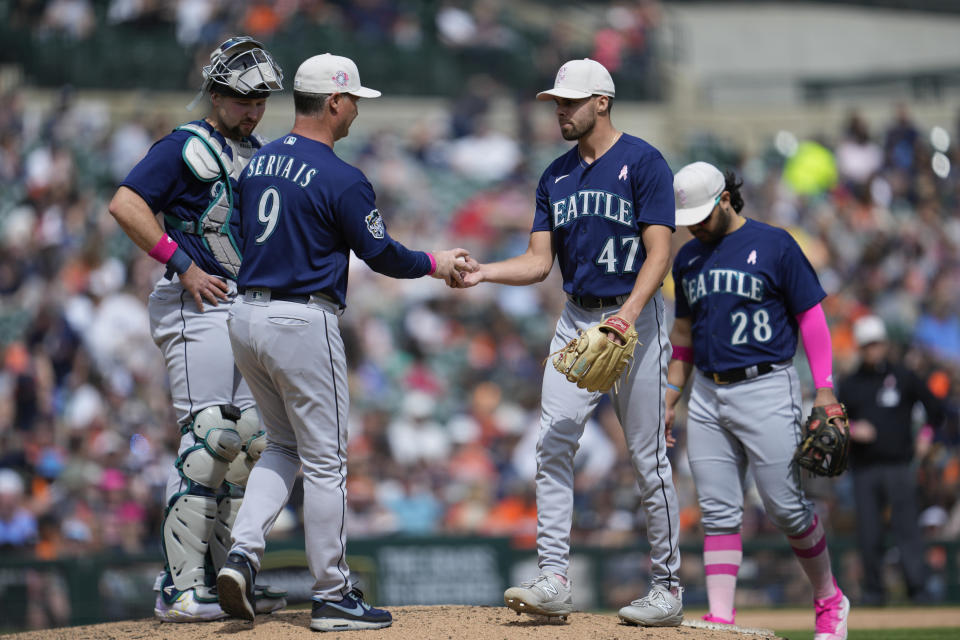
[[451, 265]]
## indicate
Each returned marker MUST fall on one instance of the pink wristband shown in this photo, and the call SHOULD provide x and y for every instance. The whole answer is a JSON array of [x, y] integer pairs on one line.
[[164, 248], [433, 263], [683, 354]]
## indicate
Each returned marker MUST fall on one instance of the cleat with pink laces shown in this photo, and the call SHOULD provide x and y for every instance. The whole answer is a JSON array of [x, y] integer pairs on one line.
[[832, 616]]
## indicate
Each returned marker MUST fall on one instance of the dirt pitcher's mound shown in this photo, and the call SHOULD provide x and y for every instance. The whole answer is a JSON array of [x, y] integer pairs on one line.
[[409, 623]]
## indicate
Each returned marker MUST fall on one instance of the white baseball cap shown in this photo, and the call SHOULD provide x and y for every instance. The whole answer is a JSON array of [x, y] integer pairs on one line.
[[696, 188], [328, 73], [578, 79], [869, 329]]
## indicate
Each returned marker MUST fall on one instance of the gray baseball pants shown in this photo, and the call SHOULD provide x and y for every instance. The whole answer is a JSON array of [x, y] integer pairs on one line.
[[639, 404], [199, 359], [292, 357], [754, 423]]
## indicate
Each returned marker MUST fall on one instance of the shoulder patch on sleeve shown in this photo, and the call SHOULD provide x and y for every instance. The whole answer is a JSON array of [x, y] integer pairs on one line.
[[200, 159], [375, 224]]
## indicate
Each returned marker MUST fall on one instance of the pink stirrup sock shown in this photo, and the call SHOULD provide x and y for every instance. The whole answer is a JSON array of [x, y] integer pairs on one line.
[[810, 547], [722, 556]]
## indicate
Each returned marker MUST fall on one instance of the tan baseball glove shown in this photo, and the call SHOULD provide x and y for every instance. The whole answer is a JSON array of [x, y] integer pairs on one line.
[[826, 441], [592, 360]]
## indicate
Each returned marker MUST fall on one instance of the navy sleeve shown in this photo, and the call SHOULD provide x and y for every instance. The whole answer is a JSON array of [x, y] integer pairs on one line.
[[681, 307], [800, 286], [360, 220], [157, 176], [397, 261], [654, 188], [366, 234]]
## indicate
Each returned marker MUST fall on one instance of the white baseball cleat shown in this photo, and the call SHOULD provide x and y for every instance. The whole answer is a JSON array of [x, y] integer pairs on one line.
[[186, 608], [832, 616], [659, 608], [545, 595]]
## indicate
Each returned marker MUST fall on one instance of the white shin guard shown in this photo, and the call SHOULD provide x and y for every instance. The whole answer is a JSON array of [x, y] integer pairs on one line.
[[190, 521], [187, 528], [220, 540]]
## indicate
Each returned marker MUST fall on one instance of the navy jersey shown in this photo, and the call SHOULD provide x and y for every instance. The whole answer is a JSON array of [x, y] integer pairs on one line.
[[596, 213], [302, 211], [743, 294], [167, 184]]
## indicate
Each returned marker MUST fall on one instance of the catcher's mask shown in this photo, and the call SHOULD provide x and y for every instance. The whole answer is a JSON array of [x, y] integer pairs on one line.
[[240, 67]]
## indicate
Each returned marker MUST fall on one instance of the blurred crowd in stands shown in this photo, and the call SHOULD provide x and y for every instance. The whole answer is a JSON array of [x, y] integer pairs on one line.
[[445, 384], [522, 39]]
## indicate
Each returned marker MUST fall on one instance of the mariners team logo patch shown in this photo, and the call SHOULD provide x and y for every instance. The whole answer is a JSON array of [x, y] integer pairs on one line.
[[375, 224], [341, 79]]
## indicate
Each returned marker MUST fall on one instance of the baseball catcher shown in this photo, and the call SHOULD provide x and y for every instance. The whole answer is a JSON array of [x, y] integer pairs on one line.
[[826, 441], [190, 176], [593, 360]]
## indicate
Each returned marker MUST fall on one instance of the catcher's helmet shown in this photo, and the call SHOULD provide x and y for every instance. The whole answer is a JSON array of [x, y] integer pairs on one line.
[[241, 67]]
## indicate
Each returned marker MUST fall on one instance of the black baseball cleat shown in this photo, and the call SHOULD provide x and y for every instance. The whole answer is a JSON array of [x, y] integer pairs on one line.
[[235, 587], [349, 613]]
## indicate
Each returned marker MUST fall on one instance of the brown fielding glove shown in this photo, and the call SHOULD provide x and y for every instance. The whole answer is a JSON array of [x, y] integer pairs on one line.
[[826, 441], [592, 360]]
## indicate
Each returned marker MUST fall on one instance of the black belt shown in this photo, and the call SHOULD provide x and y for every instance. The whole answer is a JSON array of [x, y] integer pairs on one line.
[[301, 298], [739, 375], [595, 302]]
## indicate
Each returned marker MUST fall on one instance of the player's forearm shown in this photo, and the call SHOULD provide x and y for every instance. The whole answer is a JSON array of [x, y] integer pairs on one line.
[[397, 261], [648, 281], [681, 360], [135, 218], [521, 270], [678, 372], [818, 346]]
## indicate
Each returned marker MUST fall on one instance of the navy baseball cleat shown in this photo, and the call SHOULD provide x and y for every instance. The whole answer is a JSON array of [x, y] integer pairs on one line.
[[235, 587], [349, 613]]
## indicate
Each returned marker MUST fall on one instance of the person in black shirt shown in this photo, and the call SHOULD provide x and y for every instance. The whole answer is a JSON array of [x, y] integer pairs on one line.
[[880, 397]]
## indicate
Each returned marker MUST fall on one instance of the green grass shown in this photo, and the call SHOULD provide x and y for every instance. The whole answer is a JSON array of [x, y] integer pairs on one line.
[[931, 633]]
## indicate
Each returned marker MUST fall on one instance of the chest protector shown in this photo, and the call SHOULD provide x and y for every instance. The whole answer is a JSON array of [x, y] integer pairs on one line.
[[208, 162]]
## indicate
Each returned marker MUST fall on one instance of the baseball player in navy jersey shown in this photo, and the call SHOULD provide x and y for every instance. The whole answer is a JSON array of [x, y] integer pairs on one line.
[[303, 211], [605, 210], [745, 292], [189, 178]]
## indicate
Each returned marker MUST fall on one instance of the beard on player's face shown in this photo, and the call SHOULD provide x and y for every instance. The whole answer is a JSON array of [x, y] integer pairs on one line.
[[238, 117], [714, 227], [577, 118], [579, 127]]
